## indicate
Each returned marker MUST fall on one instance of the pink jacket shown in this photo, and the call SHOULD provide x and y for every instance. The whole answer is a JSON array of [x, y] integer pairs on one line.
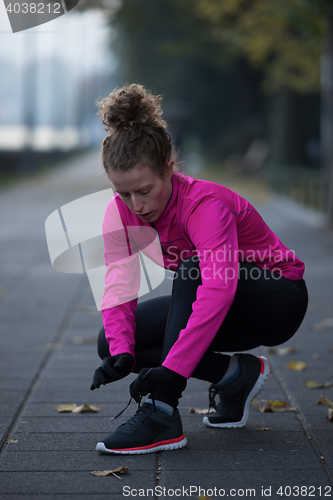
[[204, 219]]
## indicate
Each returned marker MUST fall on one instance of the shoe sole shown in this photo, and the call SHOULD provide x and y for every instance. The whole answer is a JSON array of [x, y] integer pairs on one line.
[[264, 374], [161, 446]]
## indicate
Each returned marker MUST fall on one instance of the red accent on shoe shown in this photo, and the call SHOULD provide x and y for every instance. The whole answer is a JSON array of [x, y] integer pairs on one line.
[[159, 443], [262, 368]]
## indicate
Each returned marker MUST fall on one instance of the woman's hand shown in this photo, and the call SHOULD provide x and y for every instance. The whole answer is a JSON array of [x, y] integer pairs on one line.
[[159, 378], [112, 368]]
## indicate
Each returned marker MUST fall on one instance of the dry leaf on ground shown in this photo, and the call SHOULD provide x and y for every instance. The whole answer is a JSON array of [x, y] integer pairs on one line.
[[274, 406], [86, 409], [311, 384], [324, 401], [263, 428], [65, 408], [115, 472], [282, 351], [201, 411], [11, 441], [297, 365], [277, 403], [73, 408]]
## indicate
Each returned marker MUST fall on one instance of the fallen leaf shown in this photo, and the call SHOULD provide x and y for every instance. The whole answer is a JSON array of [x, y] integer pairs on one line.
[[311, 384], [324, 401], [277, 404], [204, 497], [115, 472], [200, 411], [330, 414], [86, 409], [274, 406], [297, 365], [11, 441], [65, 408], [263, 428], [77, 409], [282, 351]]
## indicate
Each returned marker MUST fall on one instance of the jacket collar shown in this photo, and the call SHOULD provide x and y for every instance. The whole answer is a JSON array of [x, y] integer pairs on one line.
[[172, 200]]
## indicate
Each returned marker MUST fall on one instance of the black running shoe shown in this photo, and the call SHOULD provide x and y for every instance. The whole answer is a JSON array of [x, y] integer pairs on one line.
[[149, 430], [236, 396]]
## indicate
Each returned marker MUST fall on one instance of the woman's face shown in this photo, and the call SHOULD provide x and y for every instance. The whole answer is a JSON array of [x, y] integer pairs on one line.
[[143, 191]]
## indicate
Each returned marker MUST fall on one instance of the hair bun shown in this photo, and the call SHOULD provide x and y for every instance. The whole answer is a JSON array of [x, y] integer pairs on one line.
[[129, 106]]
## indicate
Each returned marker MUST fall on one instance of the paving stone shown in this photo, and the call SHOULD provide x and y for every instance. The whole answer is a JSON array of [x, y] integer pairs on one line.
[[18, 385], [108, 410], [80, 482], [248, 439], [277, 421], [75, 461], [28, 369], [57, 441], [78, 395], [5, 422], [10, 402], [325, 441], [188, 458], [69, 423]]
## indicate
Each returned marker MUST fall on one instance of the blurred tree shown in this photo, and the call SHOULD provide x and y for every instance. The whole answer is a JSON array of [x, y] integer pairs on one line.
[[281, 37]]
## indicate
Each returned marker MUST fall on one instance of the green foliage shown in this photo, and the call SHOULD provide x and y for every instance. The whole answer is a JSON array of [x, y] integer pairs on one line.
[[282, 37]]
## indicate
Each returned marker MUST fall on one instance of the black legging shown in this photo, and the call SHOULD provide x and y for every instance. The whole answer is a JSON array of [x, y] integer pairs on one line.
[[267, 310]]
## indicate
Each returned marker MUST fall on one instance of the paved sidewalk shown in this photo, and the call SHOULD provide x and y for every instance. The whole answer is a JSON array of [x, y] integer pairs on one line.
[[42, 313]]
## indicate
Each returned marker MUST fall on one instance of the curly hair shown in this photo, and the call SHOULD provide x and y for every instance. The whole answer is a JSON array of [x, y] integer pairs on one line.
[[137, 133]]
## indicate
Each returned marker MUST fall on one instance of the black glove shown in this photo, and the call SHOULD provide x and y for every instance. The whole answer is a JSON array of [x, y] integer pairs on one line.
[[159, 379], [112, 368]]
